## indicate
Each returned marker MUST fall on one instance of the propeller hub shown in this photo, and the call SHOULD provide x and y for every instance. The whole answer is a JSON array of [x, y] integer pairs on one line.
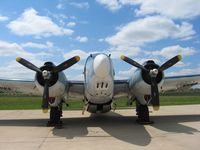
[[153, 72], [46, 74]]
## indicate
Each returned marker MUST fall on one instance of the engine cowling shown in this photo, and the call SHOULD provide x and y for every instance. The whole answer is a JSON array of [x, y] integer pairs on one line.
[[140, 82], [57, 84]]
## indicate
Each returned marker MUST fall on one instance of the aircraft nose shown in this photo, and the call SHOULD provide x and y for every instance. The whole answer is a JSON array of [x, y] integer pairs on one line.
[[101, 65]]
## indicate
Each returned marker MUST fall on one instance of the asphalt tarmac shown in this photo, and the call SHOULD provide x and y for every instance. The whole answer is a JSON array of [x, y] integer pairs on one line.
[[175, 128]]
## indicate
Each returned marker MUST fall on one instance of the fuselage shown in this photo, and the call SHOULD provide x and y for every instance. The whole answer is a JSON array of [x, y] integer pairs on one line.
[[99, 80]]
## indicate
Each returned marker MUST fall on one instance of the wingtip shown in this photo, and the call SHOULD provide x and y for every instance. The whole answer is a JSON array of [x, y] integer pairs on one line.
[[18, 59]]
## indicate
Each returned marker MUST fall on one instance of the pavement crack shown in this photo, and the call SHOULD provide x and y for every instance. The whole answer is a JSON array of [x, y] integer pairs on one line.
[[44, 140]]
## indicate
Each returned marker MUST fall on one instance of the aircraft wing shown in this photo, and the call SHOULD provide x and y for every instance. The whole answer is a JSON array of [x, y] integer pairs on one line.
[[18, 86], [121, 88], [180, 82], [75, 88]]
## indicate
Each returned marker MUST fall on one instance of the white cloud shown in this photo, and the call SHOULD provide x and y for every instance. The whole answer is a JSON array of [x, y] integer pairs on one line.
[[181, 64], [82, 39], [71, 24], [80, 5], [38, 45], [173, 9], [181, 9], [125, 74], [30, 23], [8, 49], [78, 66], [12, 69], [3, 18], [113, 5], [130, 51], [171, 51], [150, 29], [78, 52], [11, 49]]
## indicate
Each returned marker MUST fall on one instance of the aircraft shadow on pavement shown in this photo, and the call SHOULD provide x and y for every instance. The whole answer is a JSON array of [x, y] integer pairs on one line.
[[114, 125], [123, 128]]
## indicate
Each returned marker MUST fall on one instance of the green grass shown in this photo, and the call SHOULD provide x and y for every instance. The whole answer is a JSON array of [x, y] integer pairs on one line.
[[27, 102]]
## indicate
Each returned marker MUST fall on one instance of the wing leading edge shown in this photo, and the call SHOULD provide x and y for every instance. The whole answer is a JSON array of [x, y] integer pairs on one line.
[[180, 82], [76, 88]]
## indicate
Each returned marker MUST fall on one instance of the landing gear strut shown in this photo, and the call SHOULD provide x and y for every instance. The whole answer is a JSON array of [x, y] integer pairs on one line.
[[143, 114], [55, 114]]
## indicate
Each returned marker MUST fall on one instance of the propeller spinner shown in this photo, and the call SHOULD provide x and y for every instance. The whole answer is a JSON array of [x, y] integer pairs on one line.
[[153, 74]]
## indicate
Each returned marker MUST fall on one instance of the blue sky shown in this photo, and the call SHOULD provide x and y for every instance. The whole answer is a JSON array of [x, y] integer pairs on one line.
[[42, 31]]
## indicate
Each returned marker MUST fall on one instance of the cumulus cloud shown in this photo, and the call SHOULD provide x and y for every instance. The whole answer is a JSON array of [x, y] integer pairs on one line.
[[13, 69], [113, 5], [150, 29], [78, 52], [30, 23], [183, 9], [171, 51], [38, 45], [8, 49], [82, 39], [81, 5], [179, 9], [125, 74], [117, 51], [11, 49], [71, 24]]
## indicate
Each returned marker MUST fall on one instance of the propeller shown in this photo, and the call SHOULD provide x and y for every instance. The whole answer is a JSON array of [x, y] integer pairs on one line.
[[47, 72], [152, 74]]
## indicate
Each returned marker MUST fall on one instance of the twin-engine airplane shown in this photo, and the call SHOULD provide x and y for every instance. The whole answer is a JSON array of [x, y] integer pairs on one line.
[[99, 89]]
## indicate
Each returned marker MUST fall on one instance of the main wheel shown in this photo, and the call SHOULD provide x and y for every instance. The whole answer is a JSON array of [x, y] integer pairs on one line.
[[55, 114], [143, 114]]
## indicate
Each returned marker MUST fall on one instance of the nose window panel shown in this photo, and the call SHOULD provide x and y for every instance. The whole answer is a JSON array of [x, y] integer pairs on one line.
[[102, 85], [106, 85]]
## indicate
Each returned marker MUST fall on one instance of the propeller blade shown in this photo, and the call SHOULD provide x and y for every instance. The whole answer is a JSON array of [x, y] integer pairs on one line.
[[27, 64], [154, 94], [45, 103], [66, 64], [170, 63], [133, 63]]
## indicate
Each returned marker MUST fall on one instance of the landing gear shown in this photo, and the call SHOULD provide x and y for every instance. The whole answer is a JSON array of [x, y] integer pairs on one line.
[[143, 114], [55, 114]]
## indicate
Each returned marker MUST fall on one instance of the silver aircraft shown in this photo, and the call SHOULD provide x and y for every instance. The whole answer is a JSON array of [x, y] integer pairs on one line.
[[99, 88]]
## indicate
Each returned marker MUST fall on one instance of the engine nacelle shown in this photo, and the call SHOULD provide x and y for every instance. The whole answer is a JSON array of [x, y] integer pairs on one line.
[[57, 86], [140, 82]]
